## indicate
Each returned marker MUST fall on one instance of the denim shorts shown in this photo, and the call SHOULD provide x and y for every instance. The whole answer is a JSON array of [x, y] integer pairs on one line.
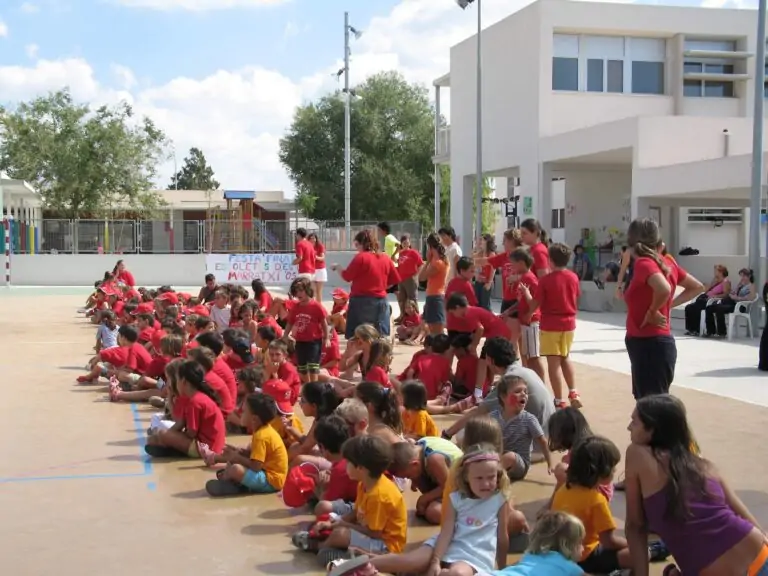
[[360, 541], [341, 507], [434, 309], [367, 310], [257, 482]]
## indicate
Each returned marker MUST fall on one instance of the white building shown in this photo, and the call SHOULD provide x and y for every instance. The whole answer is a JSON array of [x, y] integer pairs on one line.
[[606, 112]]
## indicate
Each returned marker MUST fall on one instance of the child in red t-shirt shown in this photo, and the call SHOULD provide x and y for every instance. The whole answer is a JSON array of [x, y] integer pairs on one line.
[[330, 358], [462, 282], [127, 388], [201, 429], [409, 262], [528, 318], [433, 369], [465, 377], [107, 362], [557, 297], [308, 322], [410, 324], [278, 367], [249, 381], [337, 492], [338, 317]]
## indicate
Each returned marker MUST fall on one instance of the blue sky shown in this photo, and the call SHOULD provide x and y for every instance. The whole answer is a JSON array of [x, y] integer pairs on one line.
[[227, 75]]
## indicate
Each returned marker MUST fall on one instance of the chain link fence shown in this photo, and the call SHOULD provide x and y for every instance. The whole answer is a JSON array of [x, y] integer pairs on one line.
[[194, 236]]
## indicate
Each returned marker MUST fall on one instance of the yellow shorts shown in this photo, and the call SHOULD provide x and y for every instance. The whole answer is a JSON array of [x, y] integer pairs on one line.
[[555, 343]]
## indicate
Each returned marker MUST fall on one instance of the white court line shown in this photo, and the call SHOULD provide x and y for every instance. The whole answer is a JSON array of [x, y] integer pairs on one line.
[[50, 342]]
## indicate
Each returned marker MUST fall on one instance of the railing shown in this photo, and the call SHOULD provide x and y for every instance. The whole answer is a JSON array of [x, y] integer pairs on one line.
[[184, 237]]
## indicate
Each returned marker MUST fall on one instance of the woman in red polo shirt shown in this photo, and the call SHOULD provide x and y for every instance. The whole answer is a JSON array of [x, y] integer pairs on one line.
[[122, 274], [649, 298], [536, 239], [484, 275], [370, 273]]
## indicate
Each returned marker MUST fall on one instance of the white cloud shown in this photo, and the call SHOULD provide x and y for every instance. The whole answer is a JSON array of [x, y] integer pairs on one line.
[[124, 76], [199, 5], [291, 29], [238, 116], [3, 29], [32, 50], [29, 8]]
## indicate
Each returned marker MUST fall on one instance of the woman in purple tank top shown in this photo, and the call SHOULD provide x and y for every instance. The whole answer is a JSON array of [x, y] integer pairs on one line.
[[673, 492]]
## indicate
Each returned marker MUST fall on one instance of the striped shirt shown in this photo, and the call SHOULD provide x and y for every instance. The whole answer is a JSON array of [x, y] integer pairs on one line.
[[519, 432]]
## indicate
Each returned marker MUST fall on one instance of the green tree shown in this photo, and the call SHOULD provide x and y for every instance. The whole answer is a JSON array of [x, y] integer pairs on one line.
[[490, 209], [82, 161], [392, 143], [195, 174]]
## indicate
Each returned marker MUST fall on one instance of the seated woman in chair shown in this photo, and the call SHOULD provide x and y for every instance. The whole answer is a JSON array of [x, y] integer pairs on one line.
[[744, 291], [718, 288]]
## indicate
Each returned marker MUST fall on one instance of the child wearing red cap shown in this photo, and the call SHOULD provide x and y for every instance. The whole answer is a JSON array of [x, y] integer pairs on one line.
[[338, 317], [260, 468], [286, 417]]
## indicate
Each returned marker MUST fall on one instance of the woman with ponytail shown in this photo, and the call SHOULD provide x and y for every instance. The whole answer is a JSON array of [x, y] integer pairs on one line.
[[536, 239], [370, 273], [201, 430], [649, 298], [436, 275]]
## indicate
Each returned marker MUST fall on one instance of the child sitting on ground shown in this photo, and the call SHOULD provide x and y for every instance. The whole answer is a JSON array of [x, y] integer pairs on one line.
[[287, 424], [336, 489], [260, 468], [107, 362], [433, 369], [378, 523], [417, 422], [330, 358], [426, 349], [592, 463], [205, 358], [355, 414], [151, 383], [200, 428], [410, 324], [249, 381], [338, 316], [278, 367], [466, 367], [106, 335], [519, 428], [427, 464]]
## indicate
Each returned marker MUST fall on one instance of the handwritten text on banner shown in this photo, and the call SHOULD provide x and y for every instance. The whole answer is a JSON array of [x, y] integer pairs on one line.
[[244, 268]]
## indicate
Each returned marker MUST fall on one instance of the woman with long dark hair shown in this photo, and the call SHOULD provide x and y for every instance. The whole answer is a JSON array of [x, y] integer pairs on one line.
[[675, 493], [649, 298], [321, 273], [121, 274], [370, 273], [484, 274]]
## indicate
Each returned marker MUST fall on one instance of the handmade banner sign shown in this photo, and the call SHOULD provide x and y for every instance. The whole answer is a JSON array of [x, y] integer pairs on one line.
[[244, 268]]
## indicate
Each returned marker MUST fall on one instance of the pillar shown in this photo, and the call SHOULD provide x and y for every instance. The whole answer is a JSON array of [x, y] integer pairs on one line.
[[462, 210]]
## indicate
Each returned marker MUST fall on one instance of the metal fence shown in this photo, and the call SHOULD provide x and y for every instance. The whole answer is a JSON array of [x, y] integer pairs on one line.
[[186, 236]]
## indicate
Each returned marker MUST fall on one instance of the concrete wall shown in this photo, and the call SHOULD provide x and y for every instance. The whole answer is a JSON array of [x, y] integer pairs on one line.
[[148, 269]]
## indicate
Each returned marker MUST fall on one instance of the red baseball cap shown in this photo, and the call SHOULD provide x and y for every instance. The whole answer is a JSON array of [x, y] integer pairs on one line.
[[300, 485], [200, 310], [143, 308], [340, 294], [170, 297], [281, 392]]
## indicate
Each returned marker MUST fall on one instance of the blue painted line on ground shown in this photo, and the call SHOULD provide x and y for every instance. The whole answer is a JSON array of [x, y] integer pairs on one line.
[[147, 470], [139, 427]]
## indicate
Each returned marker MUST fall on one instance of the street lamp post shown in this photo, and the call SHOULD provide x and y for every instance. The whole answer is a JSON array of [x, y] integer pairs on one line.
[[463, 4], [757, 148], [348, 28]]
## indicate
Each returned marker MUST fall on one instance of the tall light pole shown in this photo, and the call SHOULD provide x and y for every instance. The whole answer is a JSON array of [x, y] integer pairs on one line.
[[757, 148], [347, 121], [463, 4]]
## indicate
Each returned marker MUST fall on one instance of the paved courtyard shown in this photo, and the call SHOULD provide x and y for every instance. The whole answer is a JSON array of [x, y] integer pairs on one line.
[[78, 496]]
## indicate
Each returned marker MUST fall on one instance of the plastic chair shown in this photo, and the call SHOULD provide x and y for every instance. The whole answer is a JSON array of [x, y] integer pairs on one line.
[[742, 310], [703, 316]]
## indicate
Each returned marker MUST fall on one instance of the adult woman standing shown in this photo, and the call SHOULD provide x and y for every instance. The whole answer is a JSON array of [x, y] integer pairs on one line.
[[321, 273], [719, 286], [452, 249], [484, 274], [121, 274], [436, 275], [536, 239], [744, 291], [370, 273], [673, 492], [649, 298]]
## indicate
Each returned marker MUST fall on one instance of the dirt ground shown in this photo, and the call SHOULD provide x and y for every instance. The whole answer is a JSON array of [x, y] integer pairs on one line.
[[78, 495]]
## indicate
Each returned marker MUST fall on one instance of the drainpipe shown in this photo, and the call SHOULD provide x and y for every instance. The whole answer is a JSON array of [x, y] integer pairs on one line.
[[726, 143]]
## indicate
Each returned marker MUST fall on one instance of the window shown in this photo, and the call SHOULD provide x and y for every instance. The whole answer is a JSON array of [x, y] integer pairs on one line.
[[613, 64], [565, 73], [558, 218], [695, 65]]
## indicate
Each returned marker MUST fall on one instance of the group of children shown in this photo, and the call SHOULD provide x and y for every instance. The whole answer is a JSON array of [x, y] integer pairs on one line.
[[240, 364]]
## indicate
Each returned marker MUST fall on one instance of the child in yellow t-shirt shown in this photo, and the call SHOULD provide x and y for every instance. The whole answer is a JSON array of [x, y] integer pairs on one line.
[[591, 465], [378, 523], [417, 422], [263, 466]]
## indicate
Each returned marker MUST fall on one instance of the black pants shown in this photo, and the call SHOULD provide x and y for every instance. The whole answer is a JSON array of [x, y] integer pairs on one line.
[[715, 316], [693, 314], [763, 362], [653, 362]]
